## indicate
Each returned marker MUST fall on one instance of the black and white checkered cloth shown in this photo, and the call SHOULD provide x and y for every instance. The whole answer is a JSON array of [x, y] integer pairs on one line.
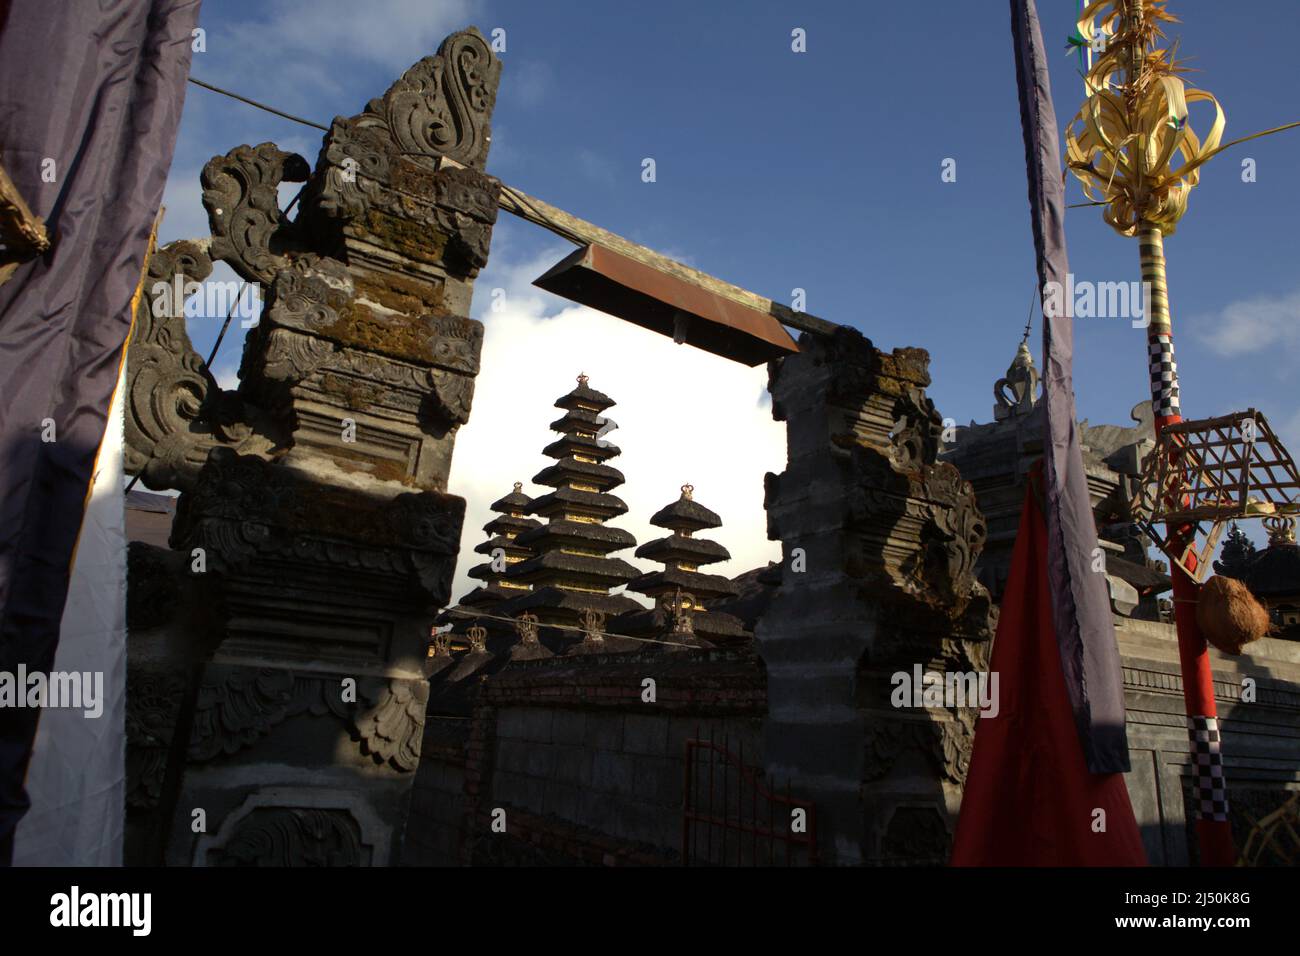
[[1207, 755], [1164, 377]]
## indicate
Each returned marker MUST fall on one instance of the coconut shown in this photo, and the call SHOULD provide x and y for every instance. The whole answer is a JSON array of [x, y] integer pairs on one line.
[[1229, 615]]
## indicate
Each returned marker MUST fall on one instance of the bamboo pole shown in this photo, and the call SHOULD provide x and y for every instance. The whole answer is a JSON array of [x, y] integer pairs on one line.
[[1122, 147], [1213, 829]]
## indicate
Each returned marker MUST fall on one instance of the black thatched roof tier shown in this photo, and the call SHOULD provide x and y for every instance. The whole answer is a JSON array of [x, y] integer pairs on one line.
[[570, 470], [597, 504], [574, 445], [554, 605], [552, 565], [510, 546], [578, 534], [1274, 572], [685, 514], [503, 524], [486, 594], [584, 397], [709, 627], [678, 548], [484, 572], [578, 421], [755, 590], [705, 587], [515, 502]]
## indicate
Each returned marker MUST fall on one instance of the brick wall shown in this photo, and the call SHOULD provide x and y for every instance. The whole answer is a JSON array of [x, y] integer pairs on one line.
[[585, 768], [435, 822]]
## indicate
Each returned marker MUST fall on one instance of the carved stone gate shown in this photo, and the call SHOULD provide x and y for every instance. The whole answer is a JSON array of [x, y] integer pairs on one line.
[[276, 702]]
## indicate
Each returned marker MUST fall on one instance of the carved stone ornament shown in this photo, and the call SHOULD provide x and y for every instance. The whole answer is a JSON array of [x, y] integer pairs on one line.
[[918, 427], [153, 702], [954, 537], [384, 169], [918, 834], [243, 507], [176, 412], [153, 588], [682, 614], [1017, 392], [292, 836], [442, 105], [392, 730], [237, 707], [947, 743], [240, 193]]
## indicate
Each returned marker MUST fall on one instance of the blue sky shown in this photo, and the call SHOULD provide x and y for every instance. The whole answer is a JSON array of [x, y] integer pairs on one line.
[[821, 170]]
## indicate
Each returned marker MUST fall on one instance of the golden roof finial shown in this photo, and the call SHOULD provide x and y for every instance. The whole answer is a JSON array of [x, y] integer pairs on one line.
[[1281, 530], [519, 486], [582, 379], [688, 492]]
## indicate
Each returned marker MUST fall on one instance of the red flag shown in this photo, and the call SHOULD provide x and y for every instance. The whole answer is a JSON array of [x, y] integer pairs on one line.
[[1029, 798]]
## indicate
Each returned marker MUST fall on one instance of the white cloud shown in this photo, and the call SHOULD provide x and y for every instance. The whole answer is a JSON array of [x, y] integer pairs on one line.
[[684, 416], [297, 48], [1253, 325], [184, 216], [528, 81]]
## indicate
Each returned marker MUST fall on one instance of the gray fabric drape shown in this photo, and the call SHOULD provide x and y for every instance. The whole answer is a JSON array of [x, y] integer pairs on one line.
[[1085, 631], [90, 101]]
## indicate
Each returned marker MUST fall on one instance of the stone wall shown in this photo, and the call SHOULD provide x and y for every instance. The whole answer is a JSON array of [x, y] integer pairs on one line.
[[1261, 738], [584, 757], [435, 824]]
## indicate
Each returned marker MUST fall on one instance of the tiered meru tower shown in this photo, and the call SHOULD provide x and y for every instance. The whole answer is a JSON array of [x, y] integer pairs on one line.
[[502, 550], [681, 590], [572, 574]]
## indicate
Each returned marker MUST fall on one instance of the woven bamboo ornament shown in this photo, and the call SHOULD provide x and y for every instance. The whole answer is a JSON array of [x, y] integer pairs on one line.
[[1132, 145]]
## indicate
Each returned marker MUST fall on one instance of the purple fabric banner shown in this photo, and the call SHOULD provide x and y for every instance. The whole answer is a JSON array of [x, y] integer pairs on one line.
[[1085, 630], [90, 102]]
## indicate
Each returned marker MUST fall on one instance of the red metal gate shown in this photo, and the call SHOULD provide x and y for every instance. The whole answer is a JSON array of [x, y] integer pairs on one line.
[[730, 817]]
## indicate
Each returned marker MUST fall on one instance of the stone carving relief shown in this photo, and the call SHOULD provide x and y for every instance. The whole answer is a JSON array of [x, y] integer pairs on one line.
[[917, 834], [175, 410], [373, 164], [918, 427], [249, 230], [153, 699], [953, 538], [239, 706], [441, 106], [246, 507], [153, 589], [946, 741], [292, 836], [392, 730], [386, 330]]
